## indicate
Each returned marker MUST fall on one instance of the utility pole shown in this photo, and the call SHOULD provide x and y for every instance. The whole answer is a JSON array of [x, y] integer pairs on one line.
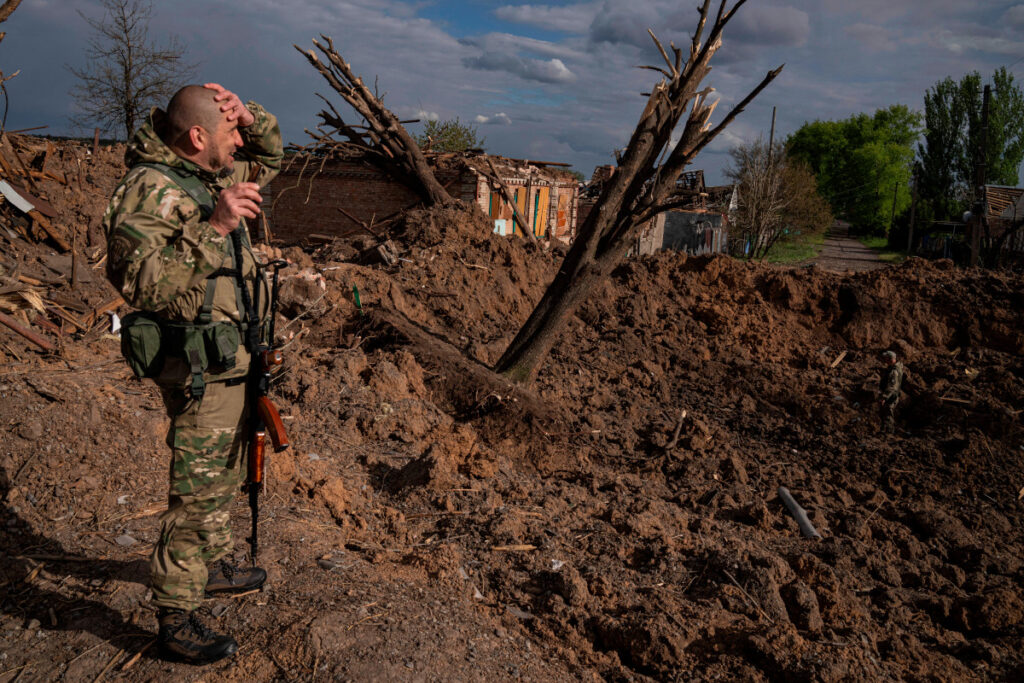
[[980, 207], [913, 212], [771, 142]]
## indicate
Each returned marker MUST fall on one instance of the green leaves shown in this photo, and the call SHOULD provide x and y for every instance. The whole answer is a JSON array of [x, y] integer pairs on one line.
[[449, 136], [952, 140], [861, 163]]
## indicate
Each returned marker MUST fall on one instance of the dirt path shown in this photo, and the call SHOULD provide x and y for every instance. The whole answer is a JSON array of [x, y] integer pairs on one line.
[[842, 253]]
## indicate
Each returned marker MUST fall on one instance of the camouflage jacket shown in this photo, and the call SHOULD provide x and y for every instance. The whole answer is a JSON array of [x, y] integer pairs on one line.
[[160, 251], [889, 384]]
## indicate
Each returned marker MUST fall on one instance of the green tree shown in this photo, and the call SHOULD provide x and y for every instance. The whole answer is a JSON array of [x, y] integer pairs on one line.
[[862, 164], [949, 152], [940, 184], [449, 136], [126, 73], [1005, 148]]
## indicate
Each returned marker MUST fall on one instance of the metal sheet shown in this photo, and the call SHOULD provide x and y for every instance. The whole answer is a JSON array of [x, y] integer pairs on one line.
[[15, 198]]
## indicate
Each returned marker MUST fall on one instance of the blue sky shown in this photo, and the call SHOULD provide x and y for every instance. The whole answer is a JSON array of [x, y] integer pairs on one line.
[[554, 81]]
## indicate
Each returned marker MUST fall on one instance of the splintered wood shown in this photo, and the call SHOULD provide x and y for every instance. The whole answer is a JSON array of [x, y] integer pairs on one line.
[[23, 198], [383, 139], [47, 303]]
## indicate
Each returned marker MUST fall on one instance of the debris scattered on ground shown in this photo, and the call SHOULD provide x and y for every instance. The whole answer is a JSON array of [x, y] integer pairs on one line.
[[645, 562]]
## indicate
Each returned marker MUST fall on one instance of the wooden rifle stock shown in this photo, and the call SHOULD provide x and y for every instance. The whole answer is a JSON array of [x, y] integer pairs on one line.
[[272, 422], [257, 451]]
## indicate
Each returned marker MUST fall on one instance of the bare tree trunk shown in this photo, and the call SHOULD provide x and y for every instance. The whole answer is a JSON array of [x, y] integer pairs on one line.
[[385, 140], [637, 191]]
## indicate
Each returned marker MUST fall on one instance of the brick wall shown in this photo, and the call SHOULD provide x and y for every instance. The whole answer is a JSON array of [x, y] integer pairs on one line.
[[300, 203], [308, 205]]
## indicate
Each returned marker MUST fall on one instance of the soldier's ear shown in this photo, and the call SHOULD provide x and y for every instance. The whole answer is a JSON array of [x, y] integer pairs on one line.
[[198, 137]]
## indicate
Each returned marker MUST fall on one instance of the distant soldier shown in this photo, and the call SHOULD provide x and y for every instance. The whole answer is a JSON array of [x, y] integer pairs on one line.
[[889, 390]]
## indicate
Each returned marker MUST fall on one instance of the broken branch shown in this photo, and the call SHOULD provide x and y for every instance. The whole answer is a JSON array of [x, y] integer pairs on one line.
[[26, 333]]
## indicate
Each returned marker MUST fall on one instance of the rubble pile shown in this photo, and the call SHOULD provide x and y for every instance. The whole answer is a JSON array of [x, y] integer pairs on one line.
[[52, 286], [618, 520]]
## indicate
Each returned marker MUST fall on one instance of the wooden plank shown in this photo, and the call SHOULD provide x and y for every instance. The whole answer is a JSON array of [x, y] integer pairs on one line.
[[111, 305], [21, 163], [64, 315], [8, 171], [26, 333], [46, 226]]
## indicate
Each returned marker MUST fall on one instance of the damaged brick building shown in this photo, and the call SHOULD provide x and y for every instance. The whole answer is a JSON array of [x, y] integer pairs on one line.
[[313, 197], [698, 225]]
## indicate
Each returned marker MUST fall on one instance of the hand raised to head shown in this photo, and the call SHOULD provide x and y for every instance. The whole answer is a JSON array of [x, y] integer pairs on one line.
[[231, 105]]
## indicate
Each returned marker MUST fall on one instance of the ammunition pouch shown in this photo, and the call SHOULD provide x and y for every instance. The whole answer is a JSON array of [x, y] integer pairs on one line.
[[142, 343], [146, 341]]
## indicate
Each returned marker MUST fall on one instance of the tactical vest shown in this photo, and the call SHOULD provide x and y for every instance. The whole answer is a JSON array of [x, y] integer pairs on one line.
[[146, 339]]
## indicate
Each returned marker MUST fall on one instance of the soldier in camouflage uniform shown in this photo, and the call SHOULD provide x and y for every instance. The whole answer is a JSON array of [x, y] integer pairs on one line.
[[889, 391], [162, 249]]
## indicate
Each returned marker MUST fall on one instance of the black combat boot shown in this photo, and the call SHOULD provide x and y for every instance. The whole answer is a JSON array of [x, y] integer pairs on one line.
[[227, 578], [184, 638]]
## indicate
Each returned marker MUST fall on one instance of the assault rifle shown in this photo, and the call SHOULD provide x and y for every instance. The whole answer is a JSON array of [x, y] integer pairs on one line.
[[263, 415]]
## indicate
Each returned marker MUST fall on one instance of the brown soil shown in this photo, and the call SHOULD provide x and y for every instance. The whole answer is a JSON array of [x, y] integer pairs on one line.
[[433, 523]]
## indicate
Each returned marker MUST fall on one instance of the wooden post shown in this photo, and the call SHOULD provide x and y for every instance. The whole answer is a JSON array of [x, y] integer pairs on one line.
[[913, 213], [74, 257], [771, 142], [979, 220], [95, 141], [892, 216]]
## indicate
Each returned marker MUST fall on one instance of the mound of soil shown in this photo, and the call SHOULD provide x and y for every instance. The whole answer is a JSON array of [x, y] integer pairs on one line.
[[619, 519]]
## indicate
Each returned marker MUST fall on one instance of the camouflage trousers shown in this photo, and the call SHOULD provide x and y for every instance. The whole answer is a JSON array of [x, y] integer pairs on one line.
[[207, 469], [887, 415]]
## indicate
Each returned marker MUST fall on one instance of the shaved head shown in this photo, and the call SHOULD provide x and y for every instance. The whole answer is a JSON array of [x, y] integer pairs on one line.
[[193, 105]]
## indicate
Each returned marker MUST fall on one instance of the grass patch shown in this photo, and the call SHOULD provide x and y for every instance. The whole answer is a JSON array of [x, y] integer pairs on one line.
[[796, 249], [881, 245]]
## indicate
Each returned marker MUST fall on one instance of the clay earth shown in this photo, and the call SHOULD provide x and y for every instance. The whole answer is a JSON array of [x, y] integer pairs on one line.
[[431, 523]]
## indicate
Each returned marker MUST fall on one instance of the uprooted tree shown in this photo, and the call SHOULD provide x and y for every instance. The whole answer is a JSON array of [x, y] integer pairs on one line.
[[644, 185], [640, 188], [381, 137]]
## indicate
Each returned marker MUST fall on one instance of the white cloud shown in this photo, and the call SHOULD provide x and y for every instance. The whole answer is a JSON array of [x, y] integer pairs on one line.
[[508, 42], [574, 18], [872, 36], [501, 118], [550, 71], [574, 81], [754, 24], [727, 140]]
